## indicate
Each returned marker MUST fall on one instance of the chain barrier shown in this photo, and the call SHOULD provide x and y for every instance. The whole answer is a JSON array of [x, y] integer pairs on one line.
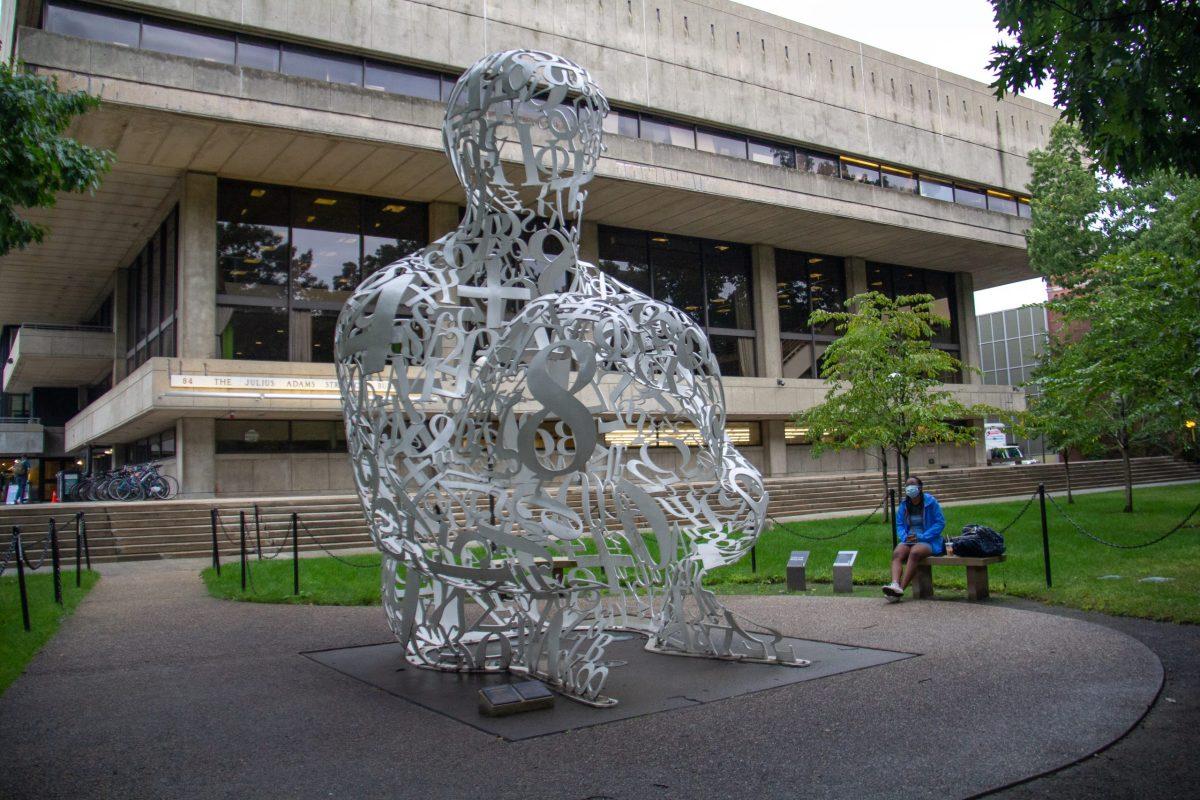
[[846, 532], [330, 554], [225, 532], [1020, 514], [271, 543], [1114, 545], [45, 549], [8, 560]]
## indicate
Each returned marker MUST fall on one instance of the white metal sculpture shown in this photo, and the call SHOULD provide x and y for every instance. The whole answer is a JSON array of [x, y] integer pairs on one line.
[[479, 379]]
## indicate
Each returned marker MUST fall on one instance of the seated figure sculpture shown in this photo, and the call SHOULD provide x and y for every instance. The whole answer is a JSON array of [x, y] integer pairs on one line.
[[480, 378]]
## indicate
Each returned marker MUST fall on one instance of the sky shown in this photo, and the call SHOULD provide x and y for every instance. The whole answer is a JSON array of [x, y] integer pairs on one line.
[[956, 35]]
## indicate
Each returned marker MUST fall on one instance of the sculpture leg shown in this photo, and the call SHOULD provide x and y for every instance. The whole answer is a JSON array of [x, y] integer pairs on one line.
[[694, 622]]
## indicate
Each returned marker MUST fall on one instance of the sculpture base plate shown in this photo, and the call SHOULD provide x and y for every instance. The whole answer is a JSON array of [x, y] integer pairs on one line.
[[649, 683]]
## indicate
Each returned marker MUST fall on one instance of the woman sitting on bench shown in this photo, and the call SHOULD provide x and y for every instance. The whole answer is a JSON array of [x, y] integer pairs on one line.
[[919, 526]]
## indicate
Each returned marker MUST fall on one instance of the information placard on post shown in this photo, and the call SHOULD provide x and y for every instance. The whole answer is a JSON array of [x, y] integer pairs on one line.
[[796, 571], [843, 571]]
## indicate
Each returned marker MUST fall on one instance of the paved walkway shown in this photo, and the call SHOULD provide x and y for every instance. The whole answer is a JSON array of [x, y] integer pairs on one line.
[[154, 689]]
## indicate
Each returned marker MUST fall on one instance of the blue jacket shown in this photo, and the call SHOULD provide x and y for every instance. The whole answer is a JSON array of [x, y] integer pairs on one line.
[[935, 523]]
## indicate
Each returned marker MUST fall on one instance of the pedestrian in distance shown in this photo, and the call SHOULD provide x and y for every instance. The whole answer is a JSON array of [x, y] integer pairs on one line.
[[919, 527]]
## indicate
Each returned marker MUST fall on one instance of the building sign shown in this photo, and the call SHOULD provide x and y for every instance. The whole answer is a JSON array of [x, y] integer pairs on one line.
[[994, 437], [255, 382]]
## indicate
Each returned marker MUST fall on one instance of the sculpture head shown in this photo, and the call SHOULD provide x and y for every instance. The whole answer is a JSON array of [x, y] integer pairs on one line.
[[538, 107]]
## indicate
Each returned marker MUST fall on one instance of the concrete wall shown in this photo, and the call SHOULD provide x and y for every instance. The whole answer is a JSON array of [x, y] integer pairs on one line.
[[283, 473], [709, 60], [8, 22]]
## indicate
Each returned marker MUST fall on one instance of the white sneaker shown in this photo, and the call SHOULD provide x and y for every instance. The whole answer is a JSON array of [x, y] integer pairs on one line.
[[893, 592]]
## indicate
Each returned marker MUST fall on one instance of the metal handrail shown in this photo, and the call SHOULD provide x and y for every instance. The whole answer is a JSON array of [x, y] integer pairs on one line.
[[41, 327], [21, 420]]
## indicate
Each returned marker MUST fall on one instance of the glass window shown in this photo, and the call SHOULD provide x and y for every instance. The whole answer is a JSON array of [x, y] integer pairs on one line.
[[253, 333], [1014, 355], [1039, 320], [938, 190], [827, 284], [447, 87], [791, 276], [252, 436], [734, 354], [95, 24], [401, 80], [818, 163], [999, 201], [169, 267], [678, 278], [899, 179], [258, 54], [907, 281], [143, 284], [879, 279], [623, 255], [325, 245], [781, 155], [942, 286], [1023, 209], [188, 42], [969, 196], [860, 171], [316, 436], [392, 230], [335, 68], [987, 358], [324, 323], [723, 144], [727, 275], [252, 240], [797, 357], [1011, 327], [154, 267], [664, 132], [622, 123]]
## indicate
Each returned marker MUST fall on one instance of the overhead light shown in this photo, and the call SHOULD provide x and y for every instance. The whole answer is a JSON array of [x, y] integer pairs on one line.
[[258, 343], [252, 260], [816, 276], [267, 248], [244, 210], [393, 208], [722, 247], [325, 201], [279, 330], [377, 224], [310, 218], [659, 239], [237, 273], [815, 260], [257, 192]]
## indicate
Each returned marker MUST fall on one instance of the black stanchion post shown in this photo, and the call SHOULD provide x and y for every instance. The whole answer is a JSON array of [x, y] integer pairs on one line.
[[19, 552], [295, 553], [892, 505], [257, 539], [1045, 532], [242, 535], [87, 546], [78, 548], [55, 563], [753, 558], [216, 552]]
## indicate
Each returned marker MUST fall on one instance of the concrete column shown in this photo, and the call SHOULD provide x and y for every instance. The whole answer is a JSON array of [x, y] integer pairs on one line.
[[968, 326], [766, 312], [443, 218], [196, 326], [856, 277], [120, 312], [195, 456], [774, 448], [8, 29], [589, 243]]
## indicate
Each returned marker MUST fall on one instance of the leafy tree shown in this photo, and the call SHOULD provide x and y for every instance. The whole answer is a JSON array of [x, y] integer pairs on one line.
[[1124, 70], [36, 159], [886, 379], [1124, 372]]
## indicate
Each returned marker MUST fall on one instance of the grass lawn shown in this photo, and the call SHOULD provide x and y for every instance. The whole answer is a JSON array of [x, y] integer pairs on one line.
[[17, 646], [1077, 563]]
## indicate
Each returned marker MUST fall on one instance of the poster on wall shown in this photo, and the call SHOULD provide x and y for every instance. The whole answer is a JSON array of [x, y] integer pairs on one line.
[[994, 437]]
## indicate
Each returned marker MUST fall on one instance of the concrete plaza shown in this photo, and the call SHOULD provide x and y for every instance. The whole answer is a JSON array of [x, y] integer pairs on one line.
[[154, 689]]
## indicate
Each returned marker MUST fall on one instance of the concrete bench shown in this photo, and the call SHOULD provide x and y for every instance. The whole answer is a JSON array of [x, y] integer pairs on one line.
[[977, 575]]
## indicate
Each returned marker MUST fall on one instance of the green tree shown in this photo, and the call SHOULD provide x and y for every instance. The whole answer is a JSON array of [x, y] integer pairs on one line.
[[885, 382], [1124, 70], [36, 159], [1124, 371]]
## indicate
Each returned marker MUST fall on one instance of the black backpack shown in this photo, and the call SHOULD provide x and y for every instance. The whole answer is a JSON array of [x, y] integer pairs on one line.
[[978, 541]]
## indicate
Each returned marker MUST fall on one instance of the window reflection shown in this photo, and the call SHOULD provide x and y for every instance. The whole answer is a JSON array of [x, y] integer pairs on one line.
[[728, 286], [969, 196], [188, 42], [325, 245], [723, 144], [898, 281], [676, 277], [253, 333], [664, 132], [252, 240], [899, 179], [94, 24], [402, 80], [779, 155], [258, 54], [854, 169], [817, 163], [391, 230], [734, 354], [622, 123], [938, 190], [303, 62]]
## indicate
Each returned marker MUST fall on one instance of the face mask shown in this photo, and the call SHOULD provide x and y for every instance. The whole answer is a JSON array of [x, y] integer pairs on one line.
[[912, 490]]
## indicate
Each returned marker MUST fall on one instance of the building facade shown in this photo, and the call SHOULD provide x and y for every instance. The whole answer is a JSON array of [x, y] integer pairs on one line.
[[271, 154], [1011, 345]]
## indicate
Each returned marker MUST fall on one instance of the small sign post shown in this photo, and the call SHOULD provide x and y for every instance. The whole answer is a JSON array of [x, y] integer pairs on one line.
[[796, 567], [843, 571]]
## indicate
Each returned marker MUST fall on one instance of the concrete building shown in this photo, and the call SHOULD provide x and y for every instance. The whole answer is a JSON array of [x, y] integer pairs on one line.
[[272, 152], [1011, 345]]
